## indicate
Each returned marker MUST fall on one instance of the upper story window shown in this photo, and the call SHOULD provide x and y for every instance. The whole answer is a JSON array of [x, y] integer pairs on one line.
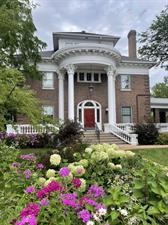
[[48, 80], [125, 82], [48, 111], [126, 113], [94, 77]]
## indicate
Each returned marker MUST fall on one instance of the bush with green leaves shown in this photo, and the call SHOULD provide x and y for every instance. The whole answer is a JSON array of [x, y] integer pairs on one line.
[[147, 133], [162, 139]]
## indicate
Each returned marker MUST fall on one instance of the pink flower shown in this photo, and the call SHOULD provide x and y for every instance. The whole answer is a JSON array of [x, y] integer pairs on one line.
[[85, 215], [69, 199], [95, 191], [76, 182], [27, 173], [30, 189], [31, 209], [51, 187], [40, 166], [44, 201], [64, 171], [31, 220], [28, 157]]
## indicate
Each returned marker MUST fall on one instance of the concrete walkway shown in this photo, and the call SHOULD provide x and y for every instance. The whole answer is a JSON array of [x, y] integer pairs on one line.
[[129, 147]]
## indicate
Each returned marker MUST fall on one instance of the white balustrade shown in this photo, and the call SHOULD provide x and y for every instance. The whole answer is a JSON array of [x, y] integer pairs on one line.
[[31, 129]]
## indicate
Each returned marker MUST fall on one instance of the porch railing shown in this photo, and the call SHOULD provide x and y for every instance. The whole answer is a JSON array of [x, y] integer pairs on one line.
[[97, 131], [31, 129]]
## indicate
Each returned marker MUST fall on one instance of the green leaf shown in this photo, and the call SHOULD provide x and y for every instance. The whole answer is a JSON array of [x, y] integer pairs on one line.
[[114, 215]]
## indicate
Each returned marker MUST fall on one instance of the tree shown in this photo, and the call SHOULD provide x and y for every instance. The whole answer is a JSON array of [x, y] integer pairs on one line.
[[16, 98], [19, 53], [155, 40], [19, 46], [160, 90]]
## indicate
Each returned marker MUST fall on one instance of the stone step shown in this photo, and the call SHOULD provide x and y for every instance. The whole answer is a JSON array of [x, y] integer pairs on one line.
[[91, 137]]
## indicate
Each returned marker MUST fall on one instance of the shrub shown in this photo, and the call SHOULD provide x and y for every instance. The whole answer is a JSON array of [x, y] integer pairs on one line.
[[162, 139], [69, 133], [147, 133]]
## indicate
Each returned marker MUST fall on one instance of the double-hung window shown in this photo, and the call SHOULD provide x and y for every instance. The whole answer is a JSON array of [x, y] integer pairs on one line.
[[48, 111], [125, 82], [48, 80], [126, 113]]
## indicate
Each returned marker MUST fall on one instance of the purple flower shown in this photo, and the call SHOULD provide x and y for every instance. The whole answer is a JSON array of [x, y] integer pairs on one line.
[[76, 182], [85, 215], [11, 135], [30, 189], [44, 201], [64, 171], [28, 157], [16, 164], [27, 173], [31, 209], [100, 205], [69, 199], [31, 220], [95, 191], [40, 166]]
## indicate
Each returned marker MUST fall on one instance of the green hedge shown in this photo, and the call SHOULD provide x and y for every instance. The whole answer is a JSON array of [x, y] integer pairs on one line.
[[162, 139]]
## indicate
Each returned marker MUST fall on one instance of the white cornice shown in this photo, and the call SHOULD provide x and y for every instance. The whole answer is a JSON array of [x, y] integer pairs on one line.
[[89, 49]]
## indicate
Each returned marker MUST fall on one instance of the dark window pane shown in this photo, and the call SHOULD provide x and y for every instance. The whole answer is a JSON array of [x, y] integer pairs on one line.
[[89, 77], [80, 115], [126, 114], [98, 115], [81, 76], [89, 104], [96, 77]]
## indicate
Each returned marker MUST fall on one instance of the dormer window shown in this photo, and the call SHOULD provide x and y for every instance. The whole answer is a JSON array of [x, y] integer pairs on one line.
[[94, 77]]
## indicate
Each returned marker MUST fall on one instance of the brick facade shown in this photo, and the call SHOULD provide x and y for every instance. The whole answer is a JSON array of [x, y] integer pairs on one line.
[[138, 98]]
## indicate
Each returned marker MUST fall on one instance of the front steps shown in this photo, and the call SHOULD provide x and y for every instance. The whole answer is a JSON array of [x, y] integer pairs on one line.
[[91, 138]]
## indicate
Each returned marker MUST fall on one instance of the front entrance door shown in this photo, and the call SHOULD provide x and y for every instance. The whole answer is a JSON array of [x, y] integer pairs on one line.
[[89, 118]]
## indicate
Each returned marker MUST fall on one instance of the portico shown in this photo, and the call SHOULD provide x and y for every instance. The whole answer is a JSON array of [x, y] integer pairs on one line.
[[103, 62]]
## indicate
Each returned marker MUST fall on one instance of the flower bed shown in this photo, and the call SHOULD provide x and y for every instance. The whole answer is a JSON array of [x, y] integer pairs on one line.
[[104, 185]]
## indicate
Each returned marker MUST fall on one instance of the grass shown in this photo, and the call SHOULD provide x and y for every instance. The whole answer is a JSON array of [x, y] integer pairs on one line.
[[158, 155]]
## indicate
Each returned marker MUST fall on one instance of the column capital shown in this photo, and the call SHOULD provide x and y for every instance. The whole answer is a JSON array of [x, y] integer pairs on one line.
[[70, 68], [111, 70], [61, 76]]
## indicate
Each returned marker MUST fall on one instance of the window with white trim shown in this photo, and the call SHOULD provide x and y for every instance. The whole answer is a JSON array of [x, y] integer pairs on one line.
[[48, 110], [125, 82], [48, 80], [94, 77], [126, 114]]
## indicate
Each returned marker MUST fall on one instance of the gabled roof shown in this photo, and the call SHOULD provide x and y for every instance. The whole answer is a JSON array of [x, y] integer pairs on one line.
[[82, 35]]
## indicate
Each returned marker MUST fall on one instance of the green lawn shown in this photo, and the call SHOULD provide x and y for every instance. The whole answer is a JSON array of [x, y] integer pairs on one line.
[[159, 155]]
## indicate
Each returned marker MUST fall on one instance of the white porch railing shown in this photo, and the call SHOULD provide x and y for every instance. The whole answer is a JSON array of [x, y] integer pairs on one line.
[[163, 127], [30, 129], [122, 134]]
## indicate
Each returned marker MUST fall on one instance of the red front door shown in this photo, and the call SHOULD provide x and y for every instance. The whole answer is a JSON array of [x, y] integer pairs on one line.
[[89, 118]]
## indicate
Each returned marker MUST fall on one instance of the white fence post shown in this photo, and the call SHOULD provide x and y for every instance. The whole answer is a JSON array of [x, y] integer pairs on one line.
[[10, 129], [134, 139]]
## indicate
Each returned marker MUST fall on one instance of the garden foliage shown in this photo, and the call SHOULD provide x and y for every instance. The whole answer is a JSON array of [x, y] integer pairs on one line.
[[104, 185], [147, 133], [162, 139]]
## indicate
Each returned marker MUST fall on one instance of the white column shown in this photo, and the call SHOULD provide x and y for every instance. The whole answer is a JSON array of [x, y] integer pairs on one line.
[[70, 70], [61, 96], [111, 94]]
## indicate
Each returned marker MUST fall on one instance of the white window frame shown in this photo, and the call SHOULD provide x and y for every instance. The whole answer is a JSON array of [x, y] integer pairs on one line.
[[47, 106], [121, 77], [92, 77], [43, 81], [126, 115]]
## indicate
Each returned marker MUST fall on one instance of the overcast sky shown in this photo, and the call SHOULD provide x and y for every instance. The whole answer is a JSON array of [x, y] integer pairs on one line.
[[114, 17]]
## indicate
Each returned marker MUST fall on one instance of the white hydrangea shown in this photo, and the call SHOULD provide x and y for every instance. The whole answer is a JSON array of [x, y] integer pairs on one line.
[[41, 181], [50, 173], [99, 156], [88, 150], [82, 187], [102, 211], [84, 162], [96, 217], [55, 159], [118, 166], [123, 212], [90, 222], [111, 165], [130, 154]]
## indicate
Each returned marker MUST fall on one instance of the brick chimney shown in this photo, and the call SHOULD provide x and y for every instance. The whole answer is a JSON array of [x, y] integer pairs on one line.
[[132, 51]]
